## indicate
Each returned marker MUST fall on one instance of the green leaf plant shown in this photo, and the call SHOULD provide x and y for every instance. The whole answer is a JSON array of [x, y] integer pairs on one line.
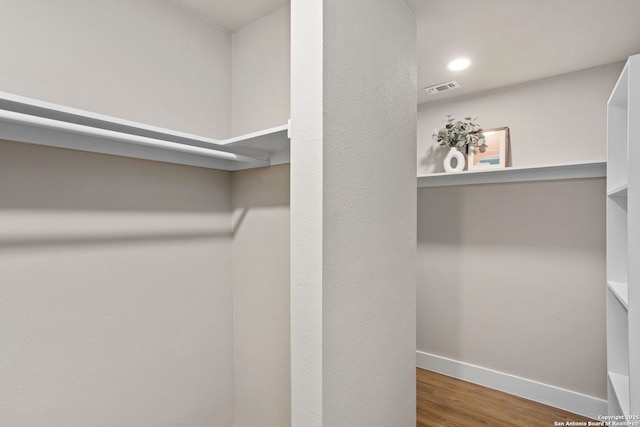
[[460, 133]]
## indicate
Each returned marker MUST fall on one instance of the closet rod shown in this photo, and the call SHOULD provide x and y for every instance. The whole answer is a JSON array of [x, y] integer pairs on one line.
[[45, 123]]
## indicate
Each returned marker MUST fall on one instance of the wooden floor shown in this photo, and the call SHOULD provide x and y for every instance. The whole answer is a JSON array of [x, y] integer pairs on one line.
[[445, 401]]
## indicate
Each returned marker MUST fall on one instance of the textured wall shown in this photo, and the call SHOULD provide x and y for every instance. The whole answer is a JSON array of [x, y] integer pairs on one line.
[[115, 291], [306, 213], [511, 278], [353, 250], [261, 67], [260, 200], [140, 60], [369, 251]]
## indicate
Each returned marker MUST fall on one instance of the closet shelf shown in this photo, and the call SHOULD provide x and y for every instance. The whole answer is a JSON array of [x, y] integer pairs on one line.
[[620, 385], [521, 174], [620, 290], [620, 191], [33, 121]]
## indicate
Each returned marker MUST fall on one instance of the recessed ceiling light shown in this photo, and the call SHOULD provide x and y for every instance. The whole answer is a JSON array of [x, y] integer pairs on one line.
[[459, 64]]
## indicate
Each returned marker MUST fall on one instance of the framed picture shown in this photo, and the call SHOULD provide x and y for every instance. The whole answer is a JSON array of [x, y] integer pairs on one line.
[[493, 155]]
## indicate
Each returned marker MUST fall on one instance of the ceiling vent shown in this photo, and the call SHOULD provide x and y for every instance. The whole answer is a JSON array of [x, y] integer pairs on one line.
[[442, 87]]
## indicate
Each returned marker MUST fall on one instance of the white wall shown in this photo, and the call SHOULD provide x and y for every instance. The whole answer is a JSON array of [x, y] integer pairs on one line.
[[353, 250], [260, 200], [260, 99], [511, 278], [261, 63], [306, 213], [556, 120], [159, 233], [369, 250], [115, 291], [141, 60]]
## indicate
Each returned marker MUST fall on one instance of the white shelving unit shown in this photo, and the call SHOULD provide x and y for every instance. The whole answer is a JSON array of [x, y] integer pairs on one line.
[[623, 249], [33, 121]]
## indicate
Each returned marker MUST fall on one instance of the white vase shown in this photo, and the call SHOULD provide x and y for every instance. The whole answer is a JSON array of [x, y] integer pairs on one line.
[[448, 161]]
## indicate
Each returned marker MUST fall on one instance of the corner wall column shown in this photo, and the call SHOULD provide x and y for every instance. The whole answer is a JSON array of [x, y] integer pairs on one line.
[[353, 213]]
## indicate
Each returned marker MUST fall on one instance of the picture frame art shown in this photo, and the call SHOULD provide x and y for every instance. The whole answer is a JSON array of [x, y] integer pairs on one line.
[[495, 152]]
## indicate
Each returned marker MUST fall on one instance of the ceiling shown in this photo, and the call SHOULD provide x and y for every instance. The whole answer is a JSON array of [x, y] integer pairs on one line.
[[508, 41], [230, 15], [512, 41]]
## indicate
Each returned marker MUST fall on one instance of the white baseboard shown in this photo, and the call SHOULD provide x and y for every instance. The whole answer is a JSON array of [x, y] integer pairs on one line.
[[544, 393]]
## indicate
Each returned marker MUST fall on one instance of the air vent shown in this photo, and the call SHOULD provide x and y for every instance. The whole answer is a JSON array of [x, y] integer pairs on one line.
[[442, 87]]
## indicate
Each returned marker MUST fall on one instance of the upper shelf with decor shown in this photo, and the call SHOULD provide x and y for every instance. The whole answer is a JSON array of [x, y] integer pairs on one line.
[[488, 157]]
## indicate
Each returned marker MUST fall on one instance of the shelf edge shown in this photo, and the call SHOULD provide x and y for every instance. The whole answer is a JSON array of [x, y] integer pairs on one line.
[[620, 385], [253, 135], [619, 95], [619, 191], [524, 174], [621, 292], [28, 120]]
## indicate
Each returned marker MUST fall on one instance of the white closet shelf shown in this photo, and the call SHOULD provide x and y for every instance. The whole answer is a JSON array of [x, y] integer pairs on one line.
[[33, 121], [620, 385], [619, 191], [520, 174], [621, 291]]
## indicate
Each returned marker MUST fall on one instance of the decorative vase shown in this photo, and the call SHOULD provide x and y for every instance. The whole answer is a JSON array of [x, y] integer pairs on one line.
[[448, 161]]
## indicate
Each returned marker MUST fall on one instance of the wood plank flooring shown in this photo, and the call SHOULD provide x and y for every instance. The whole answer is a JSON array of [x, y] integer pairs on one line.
[[446, 401]]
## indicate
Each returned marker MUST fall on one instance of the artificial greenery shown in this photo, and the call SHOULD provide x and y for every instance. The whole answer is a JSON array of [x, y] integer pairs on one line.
[[460, 133]]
